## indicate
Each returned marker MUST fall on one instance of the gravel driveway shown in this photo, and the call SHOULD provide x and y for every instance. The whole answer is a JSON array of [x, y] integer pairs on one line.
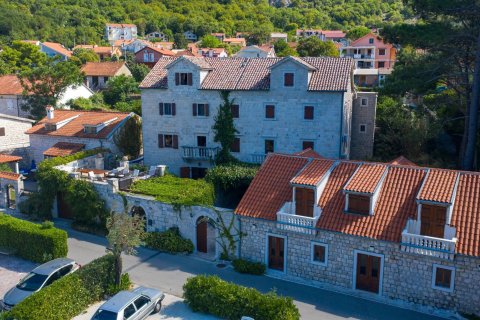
[[12, 269]]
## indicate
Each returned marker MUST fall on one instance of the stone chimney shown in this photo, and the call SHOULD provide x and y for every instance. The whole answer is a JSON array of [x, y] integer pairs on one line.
[[50, 114]]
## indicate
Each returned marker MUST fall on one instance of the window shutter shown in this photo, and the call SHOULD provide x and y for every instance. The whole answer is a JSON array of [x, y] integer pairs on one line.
[[235, 147], [270, 111], [177, 78], [175, 141], [174, 109], [160, 140], [194, 109], [189, 79], [207, 112], [2, 131], [160, 108], [235, 111], [308, 113]]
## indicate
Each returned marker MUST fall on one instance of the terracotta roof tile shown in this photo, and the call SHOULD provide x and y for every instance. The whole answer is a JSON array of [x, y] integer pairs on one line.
[[438, 186], [402, 161], [9, 175], [366, 178], [6, 158], [157, 77], [106, 69], [309, 153], [334, 33], [61, 149], [58, 48], [10, 85], [313, 172], [162, 51]]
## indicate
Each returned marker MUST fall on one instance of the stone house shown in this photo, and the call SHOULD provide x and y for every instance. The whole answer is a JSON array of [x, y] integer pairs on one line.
[[11, 188], [13, 140], [64, 132], [97, 74], [150, 55], [190, 36], [280, 105], [254, 51], [120, 31], [157, 35], [381, 231], [53, 49], [363, 122]]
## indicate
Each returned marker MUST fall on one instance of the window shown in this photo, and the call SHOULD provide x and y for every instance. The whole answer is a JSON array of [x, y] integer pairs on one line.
[[308, 113], [65, 270], [269, 146], [364, 102], [358, 204], [319, 253], [141, 301], [235, 111], [433, 220], [168, 109], [200, 110], [95, 81], [381, 52], [307, 145], [168, 141], [235, 147], [105, 79], [288, 79], [201, 141], [183, 79], [304, 202], [381, 64], [270, 111], [370, 40], [443, 277], [129, 311], [90, 129], [363, 128], [2, 132]]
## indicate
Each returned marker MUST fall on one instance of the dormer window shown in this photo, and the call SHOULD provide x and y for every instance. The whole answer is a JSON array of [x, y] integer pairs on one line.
[[288, 79], [304, 202], [433, 220], [183, 79], [358, 204], [50, 126], [90, 129]]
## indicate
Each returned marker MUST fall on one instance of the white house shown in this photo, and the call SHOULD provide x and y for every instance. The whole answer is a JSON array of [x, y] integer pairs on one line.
[[120, 31], [157, 35], [280, 105], [98, 73], [190, 36], [275, 36], [256, 52]]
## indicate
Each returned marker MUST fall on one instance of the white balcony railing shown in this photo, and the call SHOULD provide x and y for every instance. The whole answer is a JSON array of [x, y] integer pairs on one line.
[[413, 242], [289, 221], [199, 153], [257, 158]]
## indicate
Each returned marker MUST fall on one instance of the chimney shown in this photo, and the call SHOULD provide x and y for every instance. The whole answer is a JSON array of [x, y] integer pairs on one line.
[[50, 114]]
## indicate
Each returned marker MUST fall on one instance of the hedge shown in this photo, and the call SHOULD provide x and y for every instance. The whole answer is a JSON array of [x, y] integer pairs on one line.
[[210, 294], [70, 295], [232, 176], [245, 266], [32, 241], [168, 241]]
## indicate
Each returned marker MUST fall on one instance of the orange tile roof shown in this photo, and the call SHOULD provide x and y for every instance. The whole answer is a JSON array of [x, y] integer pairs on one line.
[[402, 161], [366, 178], [121, 25], [58, 48], [10, 85], [309, 153], [6, 158], [438, 186], [9, 175], [162, 51], [62, 149], [313, 173], [108, 69], [74, 128]]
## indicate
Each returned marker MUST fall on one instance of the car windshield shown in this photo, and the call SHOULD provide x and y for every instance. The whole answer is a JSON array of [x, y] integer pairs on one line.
[[105, 315], [32, 282]]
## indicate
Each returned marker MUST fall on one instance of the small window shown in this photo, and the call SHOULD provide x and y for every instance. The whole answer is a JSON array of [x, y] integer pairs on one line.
[[235, 147], [2, 132], [364, 102], [141, 302], [270, 111], [319, 253], [288, 79], [358, 204], [381, 64], [168, 109], [308, 113], [168, 141], [363, 128], [200, 110], [269, 146], [201, 141], [381, 52], [90, 129], [129, 311], [183, 79], [235, 111], [370, 40], [307, 145], [105, 79], [443, 277]]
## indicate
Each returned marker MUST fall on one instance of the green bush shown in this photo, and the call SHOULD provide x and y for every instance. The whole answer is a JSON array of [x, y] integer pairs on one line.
[[169, 241], [32, 241], [125, 284], [245, 266], [210, 294], [233, 176], [70, 295]]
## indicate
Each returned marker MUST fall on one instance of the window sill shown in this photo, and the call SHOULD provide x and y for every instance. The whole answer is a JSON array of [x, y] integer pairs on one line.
[[270, 119], [320, 264], [450, 290]]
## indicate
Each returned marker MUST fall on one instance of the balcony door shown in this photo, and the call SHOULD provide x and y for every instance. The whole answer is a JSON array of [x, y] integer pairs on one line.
[[433, 220], [304, 202], [276, 253]]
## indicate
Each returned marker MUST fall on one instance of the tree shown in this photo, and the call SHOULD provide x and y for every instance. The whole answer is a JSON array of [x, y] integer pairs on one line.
[[179, 41], [20, 56], [139, 71], [210, 41], [314, 47], [43, 85], [81, 56], [129, 138], [282, 49], [124, 235], [260, 35], [119, 89], [357, 32], [224, 129]]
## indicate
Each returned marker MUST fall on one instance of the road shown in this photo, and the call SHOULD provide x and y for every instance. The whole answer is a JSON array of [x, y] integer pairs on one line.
[[169, 272]]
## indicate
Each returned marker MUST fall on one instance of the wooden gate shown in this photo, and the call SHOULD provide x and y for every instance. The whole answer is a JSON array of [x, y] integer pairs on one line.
[[368, 273], [63, 208], [202, 236], [276, 253]]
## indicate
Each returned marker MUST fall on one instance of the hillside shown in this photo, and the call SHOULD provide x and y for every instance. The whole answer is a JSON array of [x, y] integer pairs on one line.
[[82, 21]]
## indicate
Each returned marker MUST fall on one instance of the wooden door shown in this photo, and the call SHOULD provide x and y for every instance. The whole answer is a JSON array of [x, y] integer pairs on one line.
[[63, 209], [304, 202], [368, 273], [433, 220], [202, 237], [276, 253]]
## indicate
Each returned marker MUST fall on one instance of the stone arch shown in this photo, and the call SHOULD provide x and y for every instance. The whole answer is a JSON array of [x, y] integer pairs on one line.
[[140, 211], [205, 236]]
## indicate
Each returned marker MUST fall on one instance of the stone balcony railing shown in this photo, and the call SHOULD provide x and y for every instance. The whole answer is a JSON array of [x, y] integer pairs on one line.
[[257, 158], [199, 153], [289, 221], [413, 242]]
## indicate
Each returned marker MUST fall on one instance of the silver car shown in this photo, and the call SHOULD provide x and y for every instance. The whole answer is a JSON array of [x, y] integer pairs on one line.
[[40, 277], [131, 305]]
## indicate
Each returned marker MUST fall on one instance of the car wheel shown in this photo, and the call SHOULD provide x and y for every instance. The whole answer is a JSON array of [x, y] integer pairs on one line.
[[158, 307]]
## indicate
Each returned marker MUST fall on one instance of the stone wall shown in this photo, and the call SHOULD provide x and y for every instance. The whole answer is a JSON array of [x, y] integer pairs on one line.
[[15, 136], [406, 277], [362, 142]]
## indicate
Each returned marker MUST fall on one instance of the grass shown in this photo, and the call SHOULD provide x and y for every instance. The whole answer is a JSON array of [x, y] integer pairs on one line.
[[176, 191]]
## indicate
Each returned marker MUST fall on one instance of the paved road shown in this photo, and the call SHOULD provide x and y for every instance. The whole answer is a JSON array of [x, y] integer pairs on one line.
[[169, 272]]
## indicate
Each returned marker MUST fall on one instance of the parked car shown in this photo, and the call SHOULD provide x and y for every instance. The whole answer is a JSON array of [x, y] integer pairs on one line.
[[131, 305], [39, 278]]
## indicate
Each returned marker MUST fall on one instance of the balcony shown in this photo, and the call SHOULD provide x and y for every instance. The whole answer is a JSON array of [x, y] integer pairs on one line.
[[289, 221], [199, 153], [257, 158], [413, 242]]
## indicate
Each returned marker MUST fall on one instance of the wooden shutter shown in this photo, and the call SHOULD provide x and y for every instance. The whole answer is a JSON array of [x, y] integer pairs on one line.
[[189, 79], [288, 79], [177, 78], [304, 202], [308, 113], [235, 111], [207, 110], [269, 111], [235, 147], [2, 131], [185, 172], [160, 140], [433, 220], [175, 141], [359, 204], [160, 108], [174, 109], [194, 109]]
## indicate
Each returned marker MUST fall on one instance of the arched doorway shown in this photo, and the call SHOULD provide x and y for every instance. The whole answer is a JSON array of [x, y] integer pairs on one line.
[[206, 243], [11, 196], [138, 211]]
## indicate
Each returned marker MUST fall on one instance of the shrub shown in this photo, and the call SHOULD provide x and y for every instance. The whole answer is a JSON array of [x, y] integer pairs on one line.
[[32, 241], [169, 241], [244, 266], [210, 294], [232, 176], [70, 295], [125, 284]]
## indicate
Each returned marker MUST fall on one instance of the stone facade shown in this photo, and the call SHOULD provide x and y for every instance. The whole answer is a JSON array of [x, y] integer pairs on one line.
[[363, 125], [12, 105], [406, 277], [14, 194], [13, 139], [117, 31]]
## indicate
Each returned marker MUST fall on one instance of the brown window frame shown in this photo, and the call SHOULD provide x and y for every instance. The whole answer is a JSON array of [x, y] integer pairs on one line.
[[304, 202], [183, 79], [355, 209], [323, 253], [308, 112], [269, 111], [164, 106], [273, 146], [205, 107], [235, 147], [2, 132], [162, 141], [443, 278], [289, 79], [383, 64], [382, 52]]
